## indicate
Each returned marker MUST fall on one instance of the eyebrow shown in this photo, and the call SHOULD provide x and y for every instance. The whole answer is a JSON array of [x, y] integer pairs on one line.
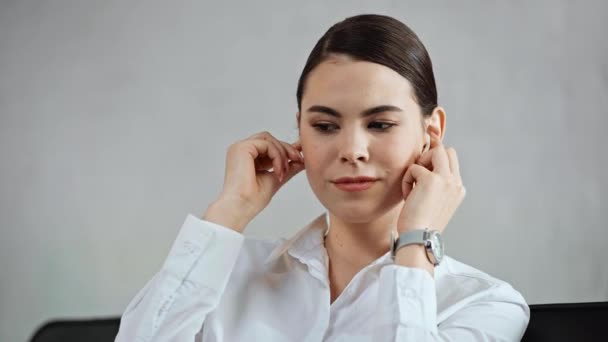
[[367, 112]]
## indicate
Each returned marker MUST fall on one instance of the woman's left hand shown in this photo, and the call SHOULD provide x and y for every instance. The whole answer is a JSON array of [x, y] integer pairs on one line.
[[432, 189]]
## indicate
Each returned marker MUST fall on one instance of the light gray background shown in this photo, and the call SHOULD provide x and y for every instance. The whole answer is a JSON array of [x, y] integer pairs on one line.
[[116, 116]]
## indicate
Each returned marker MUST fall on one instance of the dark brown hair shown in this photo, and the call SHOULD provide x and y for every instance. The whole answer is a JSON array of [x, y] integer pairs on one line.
[[383, 40]]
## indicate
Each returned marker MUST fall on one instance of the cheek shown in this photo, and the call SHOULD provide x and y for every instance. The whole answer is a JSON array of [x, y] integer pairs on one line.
[[314, 157], [395, 160], [316, 173], [397, 155]]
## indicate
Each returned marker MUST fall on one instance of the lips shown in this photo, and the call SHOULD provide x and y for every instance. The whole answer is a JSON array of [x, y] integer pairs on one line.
[[352, 184], [359, 179]]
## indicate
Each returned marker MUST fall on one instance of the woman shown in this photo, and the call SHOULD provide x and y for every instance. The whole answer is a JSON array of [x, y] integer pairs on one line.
[[369, 269]]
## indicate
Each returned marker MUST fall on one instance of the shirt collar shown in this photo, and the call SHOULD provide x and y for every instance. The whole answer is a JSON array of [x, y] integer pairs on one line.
[[305, 242]]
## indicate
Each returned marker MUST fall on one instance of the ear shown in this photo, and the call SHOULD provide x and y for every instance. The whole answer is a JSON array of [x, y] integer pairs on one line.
[[435, 126]]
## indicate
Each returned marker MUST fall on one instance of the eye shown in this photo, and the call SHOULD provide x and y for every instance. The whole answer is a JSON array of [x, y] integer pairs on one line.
[[384, 125], [324, 127], [329, 128]]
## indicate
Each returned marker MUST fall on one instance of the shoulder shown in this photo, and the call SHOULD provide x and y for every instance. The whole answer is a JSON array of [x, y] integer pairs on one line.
[[459, 285]]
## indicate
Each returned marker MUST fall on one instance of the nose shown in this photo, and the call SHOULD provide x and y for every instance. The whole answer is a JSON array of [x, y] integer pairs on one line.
[[354, 147]]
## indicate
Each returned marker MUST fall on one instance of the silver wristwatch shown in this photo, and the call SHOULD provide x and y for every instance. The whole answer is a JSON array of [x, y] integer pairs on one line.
[[430, 239]]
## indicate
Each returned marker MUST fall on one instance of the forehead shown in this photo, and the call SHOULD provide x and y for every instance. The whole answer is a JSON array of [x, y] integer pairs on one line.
[[350, 84]]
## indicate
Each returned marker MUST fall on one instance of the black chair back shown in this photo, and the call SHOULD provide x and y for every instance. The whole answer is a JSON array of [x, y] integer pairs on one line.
[[89, 330], [567, 322]]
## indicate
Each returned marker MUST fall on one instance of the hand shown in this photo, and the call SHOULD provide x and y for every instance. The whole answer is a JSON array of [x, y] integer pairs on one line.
[[432, 189], [248, 184]]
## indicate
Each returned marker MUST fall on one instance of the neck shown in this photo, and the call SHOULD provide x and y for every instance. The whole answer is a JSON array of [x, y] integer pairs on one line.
[[357, 244]]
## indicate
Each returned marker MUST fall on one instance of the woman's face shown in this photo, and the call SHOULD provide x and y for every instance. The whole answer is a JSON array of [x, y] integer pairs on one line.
[[347, 144]]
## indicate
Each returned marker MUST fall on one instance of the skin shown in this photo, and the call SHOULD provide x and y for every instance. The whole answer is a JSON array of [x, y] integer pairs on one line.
[[388, 145], [354, 145]]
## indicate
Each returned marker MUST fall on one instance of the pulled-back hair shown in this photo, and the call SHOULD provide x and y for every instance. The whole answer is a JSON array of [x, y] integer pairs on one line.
[[383, 40]]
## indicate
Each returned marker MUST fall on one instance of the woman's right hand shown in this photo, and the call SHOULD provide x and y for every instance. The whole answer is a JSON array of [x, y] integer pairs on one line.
[[249, 185]]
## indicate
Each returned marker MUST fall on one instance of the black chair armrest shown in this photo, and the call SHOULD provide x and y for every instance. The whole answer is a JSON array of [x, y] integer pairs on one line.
[[567, 322]]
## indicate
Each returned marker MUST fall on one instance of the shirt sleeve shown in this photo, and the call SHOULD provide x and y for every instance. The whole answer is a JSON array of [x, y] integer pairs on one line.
[[173, 305], [407, 311]]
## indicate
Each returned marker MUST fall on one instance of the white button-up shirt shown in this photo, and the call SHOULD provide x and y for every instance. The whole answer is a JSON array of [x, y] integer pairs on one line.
[[219, 285]]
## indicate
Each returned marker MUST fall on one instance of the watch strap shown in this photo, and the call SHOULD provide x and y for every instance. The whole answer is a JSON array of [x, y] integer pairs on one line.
[[411, 237], [416, 236]]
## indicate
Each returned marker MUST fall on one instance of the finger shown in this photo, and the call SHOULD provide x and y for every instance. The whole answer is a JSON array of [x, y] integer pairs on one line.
[[287, 153], [441, 163], [268, 148], [413, 174], [298, 146], [284, 160], [454, 165], [284, 157], [294, 169], [425, 159], [258, 135], [294, 155]]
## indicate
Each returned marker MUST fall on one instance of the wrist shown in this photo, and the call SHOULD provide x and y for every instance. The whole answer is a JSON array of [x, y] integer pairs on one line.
[[228, 213]]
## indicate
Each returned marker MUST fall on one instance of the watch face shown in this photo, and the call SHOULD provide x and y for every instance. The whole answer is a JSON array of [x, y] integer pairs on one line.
[[437, 245]]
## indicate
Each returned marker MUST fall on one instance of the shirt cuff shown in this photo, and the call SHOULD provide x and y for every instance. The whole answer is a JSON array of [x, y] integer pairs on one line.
[[204, 253], [406, 299]]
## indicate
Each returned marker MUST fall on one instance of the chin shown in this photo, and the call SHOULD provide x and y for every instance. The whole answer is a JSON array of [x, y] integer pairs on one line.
[[355, 211], [361, 210]]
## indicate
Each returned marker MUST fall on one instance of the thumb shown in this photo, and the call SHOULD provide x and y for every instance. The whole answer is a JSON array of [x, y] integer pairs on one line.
[[412, 175], [293, 169]]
